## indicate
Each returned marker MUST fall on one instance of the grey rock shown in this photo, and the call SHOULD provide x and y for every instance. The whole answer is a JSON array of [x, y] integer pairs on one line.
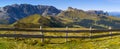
[[16, 11]]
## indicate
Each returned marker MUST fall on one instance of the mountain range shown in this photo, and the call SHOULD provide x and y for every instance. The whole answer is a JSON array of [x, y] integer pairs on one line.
[[27, 15], [12, 13]]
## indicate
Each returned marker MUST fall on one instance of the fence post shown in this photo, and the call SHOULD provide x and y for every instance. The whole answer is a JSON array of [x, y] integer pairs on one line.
[[42, 39], [110, 32], [15, 32], [66, 34], [90, 31]]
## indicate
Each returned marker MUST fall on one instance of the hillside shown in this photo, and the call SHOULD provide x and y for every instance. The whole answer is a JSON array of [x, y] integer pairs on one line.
[[35, 21], [97, 19]]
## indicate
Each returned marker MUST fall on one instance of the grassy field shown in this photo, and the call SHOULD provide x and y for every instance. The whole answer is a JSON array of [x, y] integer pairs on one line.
[[58, 43], [102, 43]]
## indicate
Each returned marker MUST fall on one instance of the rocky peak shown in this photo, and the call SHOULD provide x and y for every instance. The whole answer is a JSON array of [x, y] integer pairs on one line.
[[74, 9], [70, 9], [15, 5], [52, 11], [18, 11]]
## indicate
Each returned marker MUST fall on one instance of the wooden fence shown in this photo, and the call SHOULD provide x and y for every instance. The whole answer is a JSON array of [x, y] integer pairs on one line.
[[42, 36]]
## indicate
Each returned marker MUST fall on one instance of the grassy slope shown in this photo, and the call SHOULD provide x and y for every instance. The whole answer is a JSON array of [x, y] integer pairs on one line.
[[78, 44], [29, 43], [31, 19], [34, 21], [82, 19]]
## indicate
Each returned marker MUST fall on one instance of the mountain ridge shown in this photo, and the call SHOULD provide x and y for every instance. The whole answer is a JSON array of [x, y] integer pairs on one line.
[[73, 17], [24, 15], [16, 12]]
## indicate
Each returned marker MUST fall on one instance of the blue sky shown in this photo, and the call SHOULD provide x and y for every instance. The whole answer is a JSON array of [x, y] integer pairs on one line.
[[106, 5]]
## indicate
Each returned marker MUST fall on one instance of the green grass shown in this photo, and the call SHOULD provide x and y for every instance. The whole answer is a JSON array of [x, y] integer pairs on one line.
[[59, 43], [31, 19], [6, 44], [101, 43]]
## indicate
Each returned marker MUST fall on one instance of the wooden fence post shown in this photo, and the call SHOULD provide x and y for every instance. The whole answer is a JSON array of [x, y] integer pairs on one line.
[[66, 34], [42, 39], [90, 31], [15, 32], [110, 32]]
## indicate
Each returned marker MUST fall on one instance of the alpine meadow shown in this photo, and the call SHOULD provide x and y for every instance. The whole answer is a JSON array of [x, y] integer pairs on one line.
[[59, 24]]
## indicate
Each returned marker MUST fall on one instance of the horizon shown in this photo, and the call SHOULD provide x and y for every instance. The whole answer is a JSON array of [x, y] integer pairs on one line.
[[107, 5]]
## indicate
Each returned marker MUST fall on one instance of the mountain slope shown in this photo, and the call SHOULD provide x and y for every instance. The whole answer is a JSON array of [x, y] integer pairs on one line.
[[35, 21], [15, 12], [97, 19]]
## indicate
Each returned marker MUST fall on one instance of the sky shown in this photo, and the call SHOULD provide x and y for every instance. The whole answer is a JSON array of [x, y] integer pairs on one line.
[[105, 5]]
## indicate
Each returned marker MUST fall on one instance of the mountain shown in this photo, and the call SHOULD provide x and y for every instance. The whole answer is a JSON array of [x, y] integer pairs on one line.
[[32, 16], [73, 17], [12, 13]]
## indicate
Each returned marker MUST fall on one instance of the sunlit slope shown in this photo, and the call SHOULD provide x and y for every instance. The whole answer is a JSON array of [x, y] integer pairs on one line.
[[34, 21], [80, 18]]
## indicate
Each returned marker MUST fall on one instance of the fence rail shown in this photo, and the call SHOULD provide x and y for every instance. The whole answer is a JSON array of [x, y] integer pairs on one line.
[[69, 31], [42, 36]]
